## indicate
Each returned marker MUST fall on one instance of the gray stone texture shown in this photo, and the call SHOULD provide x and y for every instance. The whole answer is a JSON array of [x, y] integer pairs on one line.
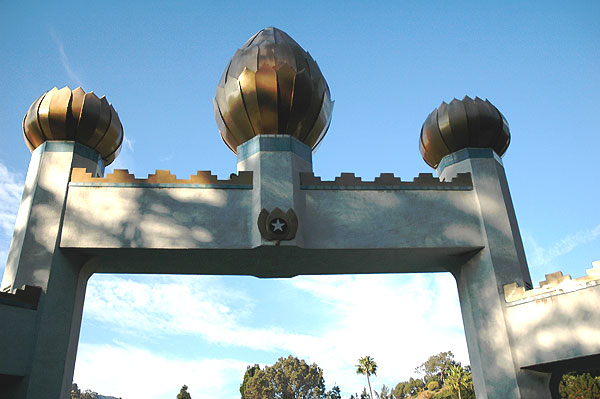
[[464, 224]]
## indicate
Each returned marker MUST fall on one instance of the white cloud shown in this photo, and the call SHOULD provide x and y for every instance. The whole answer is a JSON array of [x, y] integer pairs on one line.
[[399, 320], [135, 373], [540, 256], [11, 188], [64, 59]]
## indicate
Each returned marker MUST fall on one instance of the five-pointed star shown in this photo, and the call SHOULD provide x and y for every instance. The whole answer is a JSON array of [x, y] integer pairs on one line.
[[278, 224]]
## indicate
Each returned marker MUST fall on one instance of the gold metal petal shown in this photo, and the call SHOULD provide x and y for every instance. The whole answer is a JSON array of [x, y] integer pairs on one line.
[[489, 125], [317, 126], [237, 110], [432, 133], [114, 134], [459, 127], [443, 122], [321, 123], [111, 157], [31, 126], [473, 121], [43, 114], [76, 106], [329, 117], [503, 140], [284, 54], [427, 156], [266, 49], [89, 115], [223, 106], [226, 135], [28, 143], [266, 89], [103, 122], [311, 115], [224, 76], [247, 58], [218, 117], [285, 87], [57, 115], [302, 94], [248, 87]]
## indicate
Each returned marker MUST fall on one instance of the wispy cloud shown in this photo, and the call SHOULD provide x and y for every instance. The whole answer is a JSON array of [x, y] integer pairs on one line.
[[375, 315], [540, 256], [64, 59], [125, 159], [11, 188], [131, 372]]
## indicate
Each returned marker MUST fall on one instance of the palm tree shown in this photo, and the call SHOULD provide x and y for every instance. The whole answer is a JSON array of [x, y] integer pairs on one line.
[[457, 379], [366, 365]]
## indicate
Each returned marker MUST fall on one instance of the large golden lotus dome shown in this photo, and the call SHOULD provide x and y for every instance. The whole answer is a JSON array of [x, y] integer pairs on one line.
[[272, 86], [75, 115], [461, 124]]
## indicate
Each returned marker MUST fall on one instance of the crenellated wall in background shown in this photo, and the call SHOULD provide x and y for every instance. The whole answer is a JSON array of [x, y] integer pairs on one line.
[[556, 322]]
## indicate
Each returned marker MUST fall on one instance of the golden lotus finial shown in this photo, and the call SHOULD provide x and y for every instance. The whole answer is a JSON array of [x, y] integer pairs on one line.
[[67, 114], [461, 124], [272, 86]]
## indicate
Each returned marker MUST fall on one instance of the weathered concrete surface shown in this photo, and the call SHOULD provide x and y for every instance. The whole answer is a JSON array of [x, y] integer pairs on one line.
[[558, 324], [16, 337], [36, 259], [66, 231], [496, 374]]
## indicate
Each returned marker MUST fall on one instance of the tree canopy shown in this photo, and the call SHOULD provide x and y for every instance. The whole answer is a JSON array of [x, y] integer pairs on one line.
[[580, 385], [437, 367], [367, 366], [288, 378], [458, 380], [183, 393]]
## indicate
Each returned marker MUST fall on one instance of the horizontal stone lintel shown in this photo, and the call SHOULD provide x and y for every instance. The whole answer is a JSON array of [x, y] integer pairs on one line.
[[386, 181], [554, 284], [160, 179]]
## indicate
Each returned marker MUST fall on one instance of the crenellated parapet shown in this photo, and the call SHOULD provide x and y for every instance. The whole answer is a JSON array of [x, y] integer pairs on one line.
[[161, 178], [554, 284], [385, 181]]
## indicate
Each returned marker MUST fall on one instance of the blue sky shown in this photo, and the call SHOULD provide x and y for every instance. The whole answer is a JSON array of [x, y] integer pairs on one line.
[[388, 64]]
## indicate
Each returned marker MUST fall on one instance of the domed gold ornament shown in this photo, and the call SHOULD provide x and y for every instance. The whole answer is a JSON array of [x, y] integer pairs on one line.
[[75, 115], [272, 86], [461, 124]]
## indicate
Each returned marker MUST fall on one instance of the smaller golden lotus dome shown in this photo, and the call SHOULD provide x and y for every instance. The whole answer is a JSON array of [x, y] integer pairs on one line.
[[75, 115], [272, 86], [461, 124]]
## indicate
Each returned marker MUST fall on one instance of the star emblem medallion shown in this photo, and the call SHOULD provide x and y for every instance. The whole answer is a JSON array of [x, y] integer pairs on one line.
[[276, 225]]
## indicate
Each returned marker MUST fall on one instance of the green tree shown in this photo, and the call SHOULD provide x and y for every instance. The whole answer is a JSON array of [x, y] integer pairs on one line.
[[408, 388], [458, 380], [335, 393], [579, 386], [88, 394], [183, 393], [288, 378], [75, 391], [385, 393], [366, 365], [250, 373], [433, 385], [437, 367]]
